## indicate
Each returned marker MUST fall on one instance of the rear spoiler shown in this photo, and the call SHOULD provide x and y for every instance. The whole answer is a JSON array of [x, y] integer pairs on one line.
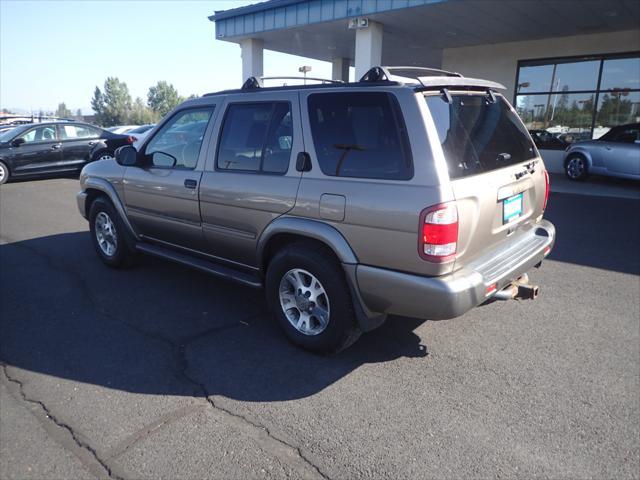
[[428, 78], [437, 83]]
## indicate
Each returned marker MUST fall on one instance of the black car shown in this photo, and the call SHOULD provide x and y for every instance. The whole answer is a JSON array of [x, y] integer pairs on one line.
[[39, 149], [105, 147], [545, 140]]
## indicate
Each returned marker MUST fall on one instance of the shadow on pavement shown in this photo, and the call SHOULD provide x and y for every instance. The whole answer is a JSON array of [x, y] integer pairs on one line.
[[160, 329], [600, 232]]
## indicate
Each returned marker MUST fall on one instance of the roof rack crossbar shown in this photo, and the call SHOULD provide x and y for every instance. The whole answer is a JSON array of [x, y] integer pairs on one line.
[[315, 79], [253, 83]]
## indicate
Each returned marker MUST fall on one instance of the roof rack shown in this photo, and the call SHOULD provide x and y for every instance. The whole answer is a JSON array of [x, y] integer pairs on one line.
[[380, 74], [258, 82]]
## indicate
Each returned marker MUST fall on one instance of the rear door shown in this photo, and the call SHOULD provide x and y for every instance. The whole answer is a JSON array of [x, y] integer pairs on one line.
[[498, 179], [77, 141], [250, 178]]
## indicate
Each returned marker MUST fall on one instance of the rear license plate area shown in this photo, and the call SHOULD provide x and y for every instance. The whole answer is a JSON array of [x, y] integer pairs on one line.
[[512, 208]]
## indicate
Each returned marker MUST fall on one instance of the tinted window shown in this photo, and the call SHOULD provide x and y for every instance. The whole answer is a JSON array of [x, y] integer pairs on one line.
[[78, 131], [256, 137], [622, 135], [40, 134], [359, 135], [477, 135], [180, 138]]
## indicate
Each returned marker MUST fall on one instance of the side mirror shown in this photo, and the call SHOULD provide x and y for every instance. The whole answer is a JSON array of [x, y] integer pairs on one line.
[[18, 141], [127, 156], [161, 159]]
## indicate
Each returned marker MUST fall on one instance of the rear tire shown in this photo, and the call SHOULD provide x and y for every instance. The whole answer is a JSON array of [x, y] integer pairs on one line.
[[309, 296], [4, 173], [576, 167], [112, 242], [103, 155]]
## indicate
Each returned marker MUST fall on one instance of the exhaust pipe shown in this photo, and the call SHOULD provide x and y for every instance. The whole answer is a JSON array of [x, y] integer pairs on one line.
[[507, 293], [520, 289]]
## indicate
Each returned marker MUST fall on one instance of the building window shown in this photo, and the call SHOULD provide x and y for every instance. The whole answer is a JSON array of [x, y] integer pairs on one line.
[[578, 98]]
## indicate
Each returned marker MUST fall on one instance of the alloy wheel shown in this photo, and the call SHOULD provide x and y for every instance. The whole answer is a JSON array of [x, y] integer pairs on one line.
[[106, 234], [304, 302], [575, 167]]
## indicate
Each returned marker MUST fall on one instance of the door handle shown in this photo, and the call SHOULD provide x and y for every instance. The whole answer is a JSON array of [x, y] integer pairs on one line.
[[56, 146], [189, 183], [92, 143]]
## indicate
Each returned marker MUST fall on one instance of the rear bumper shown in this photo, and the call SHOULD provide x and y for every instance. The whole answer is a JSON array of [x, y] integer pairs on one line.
[[450, 296]]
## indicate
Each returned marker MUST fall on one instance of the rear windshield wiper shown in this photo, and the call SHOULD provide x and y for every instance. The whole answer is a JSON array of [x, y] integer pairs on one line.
[[346, 148]]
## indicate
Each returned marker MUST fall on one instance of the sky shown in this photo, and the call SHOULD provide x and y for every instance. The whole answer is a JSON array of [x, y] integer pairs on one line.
[[59, 51]]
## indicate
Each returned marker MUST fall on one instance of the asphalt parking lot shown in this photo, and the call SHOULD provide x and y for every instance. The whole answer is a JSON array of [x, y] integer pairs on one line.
[[163, 372]]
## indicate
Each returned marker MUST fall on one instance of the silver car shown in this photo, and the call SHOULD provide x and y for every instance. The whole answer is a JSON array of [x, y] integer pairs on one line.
[[615, 154], [419, 195]]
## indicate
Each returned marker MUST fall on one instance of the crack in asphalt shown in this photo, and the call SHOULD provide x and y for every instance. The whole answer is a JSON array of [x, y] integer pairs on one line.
[[50, 415], [179, 353]]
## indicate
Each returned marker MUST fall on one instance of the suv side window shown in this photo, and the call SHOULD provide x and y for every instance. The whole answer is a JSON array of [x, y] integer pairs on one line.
[[360, 134], [40, 134], [178, 142], [256, 137]]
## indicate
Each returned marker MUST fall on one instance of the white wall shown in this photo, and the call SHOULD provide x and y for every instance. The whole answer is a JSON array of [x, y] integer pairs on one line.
[[499, 61]]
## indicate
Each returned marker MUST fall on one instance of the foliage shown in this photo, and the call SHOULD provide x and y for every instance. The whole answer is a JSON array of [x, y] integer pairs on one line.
[[163, 97], [141, 114], [112, 107]]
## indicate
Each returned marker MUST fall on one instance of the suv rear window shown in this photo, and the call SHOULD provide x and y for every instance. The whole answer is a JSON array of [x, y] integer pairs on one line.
[[478, 135], [360, 134]]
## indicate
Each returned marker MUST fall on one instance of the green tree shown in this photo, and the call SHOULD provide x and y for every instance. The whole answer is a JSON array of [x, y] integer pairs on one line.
[[113, 106], [141, 114], [163, 97], [63, 111]]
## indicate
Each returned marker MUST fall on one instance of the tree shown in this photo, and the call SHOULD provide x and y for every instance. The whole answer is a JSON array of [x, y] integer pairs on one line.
[[112, 107], [163, 98], [141, 114], [62, 111]]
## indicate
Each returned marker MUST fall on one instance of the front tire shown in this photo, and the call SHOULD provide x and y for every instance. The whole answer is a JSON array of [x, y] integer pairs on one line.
[[4, 173], [576, 167], [109, 236], [308, 293]]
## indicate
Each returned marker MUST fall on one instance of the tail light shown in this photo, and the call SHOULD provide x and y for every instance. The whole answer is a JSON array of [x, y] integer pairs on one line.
[[131, 139], [439, 233], [547, 187]]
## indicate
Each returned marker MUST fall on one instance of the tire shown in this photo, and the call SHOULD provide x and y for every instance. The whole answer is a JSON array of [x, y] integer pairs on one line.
[[110, 238], [330, 324], [576, 167], [103, 155], [4, 173]]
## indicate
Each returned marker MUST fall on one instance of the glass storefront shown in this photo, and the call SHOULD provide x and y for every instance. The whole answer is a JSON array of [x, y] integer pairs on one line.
[[571, 99]]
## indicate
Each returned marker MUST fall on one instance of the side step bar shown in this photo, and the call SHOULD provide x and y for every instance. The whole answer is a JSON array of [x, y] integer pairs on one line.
[[200, 264]]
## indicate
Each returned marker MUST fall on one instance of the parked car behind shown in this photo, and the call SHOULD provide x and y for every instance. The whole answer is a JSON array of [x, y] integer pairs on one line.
[[103, 149], [47, 148], [121, 129], [545, 140], [615, 154], [420, 197]]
